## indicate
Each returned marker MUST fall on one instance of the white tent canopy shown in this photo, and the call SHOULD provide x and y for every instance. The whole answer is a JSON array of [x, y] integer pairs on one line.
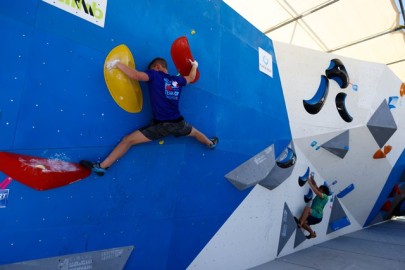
[[371, 30]]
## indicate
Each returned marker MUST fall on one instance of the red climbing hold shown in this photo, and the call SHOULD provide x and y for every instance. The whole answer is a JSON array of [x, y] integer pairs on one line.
[[41, 173], [181, 54]]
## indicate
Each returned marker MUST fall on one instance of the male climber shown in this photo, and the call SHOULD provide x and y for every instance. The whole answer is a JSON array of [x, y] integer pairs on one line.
[[165, 91], [313, 215]]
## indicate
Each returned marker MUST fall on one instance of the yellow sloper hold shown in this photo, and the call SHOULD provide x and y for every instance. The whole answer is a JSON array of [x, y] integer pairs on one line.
[[125, 92]]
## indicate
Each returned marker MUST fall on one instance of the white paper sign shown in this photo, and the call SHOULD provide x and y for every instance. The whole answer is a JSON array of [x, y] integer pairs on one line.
[[4, 197], [265, 62], [93, 11]]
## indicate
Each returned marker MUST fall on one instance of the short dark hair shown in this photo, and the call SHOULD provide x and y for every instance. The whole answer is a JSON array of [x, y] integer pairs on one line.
[[158, 60], [325, 189]]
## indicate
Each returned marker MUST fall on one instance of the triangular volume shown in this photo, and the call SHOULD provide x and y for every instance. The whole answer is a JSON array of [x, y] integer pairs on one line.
[[114, 258], [337, 152], [338, 145], [288, 226], [338, 218], [299, 237], [254, 170], [285, 165], [382, 124]]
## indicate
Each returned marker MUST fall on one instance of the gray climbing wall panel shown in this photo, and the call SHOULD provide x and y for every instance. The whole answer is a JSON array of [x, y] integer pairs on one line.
[[262, 169], [114, 258], [299, 237], [382, 124], [278, 174], [339, 145], [254, 170], [338, 218], [288, 226]]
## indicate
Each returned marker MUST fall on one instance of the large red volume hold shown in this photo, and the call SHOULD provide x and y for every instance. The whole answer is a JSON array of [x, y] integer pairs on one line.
[[181, 54], [41, 173]]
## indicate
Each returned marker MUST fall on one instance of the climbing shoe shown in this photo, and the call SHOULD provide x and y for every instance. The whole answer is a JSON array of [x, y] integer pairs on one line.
[[94, 167], [214, 141], [312, 235]]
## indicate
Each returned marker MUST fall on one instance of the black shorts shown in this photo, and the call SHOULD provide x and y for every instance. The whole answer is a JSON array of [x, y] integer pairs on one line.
[[160, 129], [313, 220]]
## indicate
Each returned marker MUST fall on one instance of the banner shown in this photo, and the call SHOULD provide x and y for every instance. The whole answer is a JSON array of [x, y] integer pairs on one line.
[[93, 11]]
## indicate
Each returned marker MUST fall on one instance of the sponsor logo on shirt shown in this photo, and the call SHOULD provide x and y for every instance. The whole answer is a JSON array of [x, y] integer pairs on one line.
[[172, 89]]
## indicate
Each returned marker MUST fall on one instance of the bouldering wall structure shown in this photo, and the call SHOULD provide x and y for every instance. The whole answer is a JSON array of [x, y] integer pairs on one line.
[[280, 113]]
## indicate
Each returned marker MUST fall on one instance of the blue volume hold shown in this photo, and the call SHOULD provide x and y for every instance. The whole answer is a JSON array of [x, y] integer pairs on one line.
[[337, 72], [341, 107], [346, 191], [302, 180], [308, 196], [315, 104], [288, 159], [339, 224]]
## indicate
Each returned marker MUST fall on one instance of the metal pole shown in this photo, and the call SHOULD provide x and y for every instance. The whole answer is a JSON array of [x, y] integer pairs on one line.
[[401, 27], [306, 13]]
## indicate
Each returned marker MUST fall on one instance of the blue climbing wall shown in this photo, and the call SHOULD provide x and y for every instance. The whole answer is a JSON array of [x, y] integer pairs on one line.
[[168, 199]]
